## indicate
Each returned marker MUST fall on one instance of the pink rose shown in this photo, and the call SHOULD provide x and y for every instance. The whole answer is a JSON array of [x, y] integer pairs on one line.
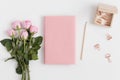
[[16, 25], [24, 35], [26, 24], [33, 29], [11, 32]]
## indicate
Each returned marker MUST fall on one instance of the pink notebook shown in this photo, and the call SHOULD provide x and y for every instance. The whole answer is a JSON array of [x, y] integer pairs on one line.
[[59, 39]]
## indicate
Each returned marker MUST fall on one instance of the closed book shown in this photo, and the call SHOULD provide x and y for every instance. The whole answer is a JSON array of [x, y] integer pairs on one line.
[[59, 39]]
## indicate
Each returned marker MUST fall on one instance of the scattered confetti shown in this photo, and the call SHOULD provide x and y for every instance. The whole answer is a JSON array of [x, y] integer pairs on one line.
[[107, 56], [108, 37], [97, 47]]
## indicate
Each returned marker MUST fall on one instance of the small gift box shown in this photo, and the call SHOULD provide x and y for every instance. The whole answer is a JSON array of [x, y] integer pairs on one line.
[[104, 14]]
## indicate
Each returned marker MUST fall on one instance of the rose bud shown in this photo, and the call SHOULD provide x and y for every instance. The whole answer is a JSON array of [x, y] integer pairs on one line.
[[24, 35], [33, 29], [16, 25], [11, 33], [26, 24]]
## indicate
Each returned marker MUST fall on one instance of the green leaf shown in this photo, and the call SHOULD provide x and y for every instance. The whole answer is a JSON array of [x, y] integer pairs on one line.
[[38, 40], [4, 41], [37, 47], [19, 70], [7, 43], [33, 55]]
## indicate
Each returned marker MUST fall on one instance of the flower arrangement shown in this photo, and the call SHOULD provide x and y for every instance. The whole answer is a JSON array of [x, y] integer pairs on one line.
[[23, 46]]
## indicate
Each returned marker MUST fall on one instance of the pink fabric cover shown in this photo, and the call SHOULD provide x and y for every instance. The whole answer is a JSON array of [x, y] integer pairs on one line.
[[59, 39]]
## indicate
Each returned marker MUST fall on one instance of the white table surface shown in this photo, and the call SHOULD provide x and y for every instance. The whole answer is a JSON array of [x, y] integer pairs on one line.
[[93, 66]]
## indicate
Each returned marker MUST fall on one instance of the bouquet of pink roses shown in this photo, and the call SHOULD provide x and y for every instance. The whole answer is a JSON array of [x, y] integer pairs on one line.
[[23, 46]]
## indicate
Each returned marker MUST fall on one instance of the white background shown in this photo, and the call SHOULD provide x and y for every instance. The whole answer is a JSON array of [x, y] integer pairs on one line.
[[94, 66]]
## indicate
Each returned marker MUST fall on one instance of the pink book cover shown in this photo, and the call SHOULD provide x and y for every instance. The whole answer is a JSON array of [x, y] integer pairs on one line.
[[59, 39]]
